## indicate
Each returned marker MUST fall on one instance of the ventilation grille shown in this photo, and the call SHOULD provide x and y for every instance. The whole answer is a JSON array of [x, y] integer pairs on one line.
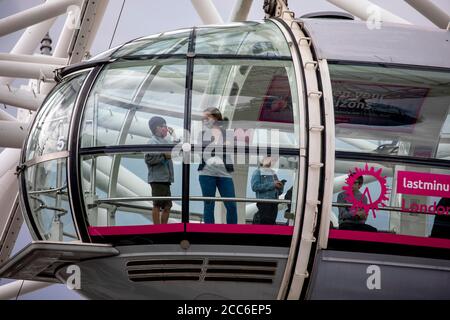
[[230, 270]]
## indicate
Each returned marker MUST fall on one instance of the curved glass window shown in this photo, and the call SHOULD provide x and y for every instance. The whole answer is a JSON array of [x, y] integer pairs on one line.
[[125, 189], [105, 54], [391, 111], [174, 42], [247, 38], [257, 99], [388, 118], [46, 185], [256, 189], [50, 130], [127, 95], [157, 105]]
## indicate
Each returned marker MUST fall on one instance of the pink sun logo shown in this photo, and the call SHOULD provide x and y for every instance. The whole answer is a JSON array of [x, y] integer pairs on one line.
[[358, 204]]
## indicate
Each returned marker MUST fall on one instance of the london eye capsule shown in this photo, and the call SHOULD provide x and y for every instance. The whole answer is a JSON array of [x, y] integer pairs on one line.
[[254, 160]]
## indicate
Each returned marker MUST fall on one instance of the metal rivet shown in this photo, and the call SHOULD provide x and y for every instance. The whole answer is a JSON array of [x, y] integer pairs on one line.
[[185, 244]]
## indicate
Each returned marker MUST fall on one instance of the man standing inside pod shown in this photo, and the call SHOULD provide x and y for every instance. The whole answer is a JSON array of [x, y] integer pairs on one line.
[[160, 170], [266, 185]]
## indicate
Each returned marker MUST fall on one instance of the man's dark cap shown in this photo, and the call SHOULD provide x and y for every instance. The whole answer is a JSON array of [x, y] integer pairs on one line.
[[155, 122]]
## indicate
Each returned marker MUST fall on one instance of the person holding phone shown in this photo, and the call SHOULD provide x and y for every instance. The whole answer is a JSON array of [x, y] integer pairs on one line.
[[354, 219], [160, 169], [266, 185]]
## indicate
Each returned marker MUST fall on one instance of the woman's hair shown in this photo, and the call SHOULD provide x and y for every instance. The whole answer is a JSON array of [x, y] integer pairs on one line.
[[215, 112]]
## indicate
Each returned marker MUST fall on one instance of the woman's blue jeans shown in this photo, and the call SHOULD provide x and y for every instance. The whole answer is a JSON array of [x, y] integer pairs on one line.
[[226, 190]]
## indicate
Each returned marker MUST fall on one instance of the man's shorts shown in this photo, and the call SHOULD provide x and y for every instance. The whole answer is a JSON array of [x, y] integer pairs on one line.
[[161, 189]]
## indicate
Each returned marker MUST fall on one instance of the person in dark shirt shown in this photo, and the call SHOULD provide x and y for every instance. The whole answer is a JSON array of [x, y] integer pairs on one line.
[[349, 220], [441, 225], [160, 170], [266, 185]]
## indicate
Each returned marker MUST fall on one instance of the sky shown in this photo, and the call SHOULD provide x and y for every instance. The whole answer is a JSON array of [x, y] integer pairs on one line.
[[143, 17]]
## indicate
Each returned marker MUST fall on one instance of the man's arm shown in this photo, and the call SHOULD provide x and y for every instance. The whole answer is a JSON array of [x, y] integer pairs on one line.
[[344, 212], [257, 186], [154, 158]]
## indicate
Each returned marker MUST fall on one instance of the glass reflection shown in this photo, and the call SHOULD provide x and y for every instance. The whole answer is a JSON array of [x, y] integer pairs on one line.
[[259, 189], [50, 131], [173, 42], [246, 38], [257, 100], [132, 189], [46, 185], [128, 95], [392, 111], [146, 188], [391, 197]]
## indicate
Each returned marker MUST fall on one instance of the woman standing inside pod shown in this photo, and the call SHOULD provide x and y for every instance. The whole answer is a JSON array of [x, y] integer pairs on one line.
[[216, 166]]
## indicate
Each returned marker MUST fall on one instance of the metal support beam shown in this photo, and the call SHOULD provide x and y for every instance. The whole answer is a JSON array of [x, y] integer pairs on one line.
[[10, 227], [241, 10], [10, 213], [431, 12], [75, 43], [207, 11], [32, 59], [34, 15], [61, 49], [13, 289], [29, 41], [90, 22], [27, 70], [6, 116], [12, 134], [364, 10], [20, 98], [96, 17], [32, 37]]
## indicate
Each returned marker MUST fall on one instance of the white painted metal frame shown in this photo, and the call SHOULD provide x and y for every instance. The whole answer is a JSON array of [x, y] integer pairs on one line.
[[10, 231], [432, 12], [325, 216], [32, 59], [12, 134], [34, 15], [314, 159], [366, 10], [27, 70], [20, 98], [309, 201], [82, 41], [315, 164], [240, 10], [207, 11]]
